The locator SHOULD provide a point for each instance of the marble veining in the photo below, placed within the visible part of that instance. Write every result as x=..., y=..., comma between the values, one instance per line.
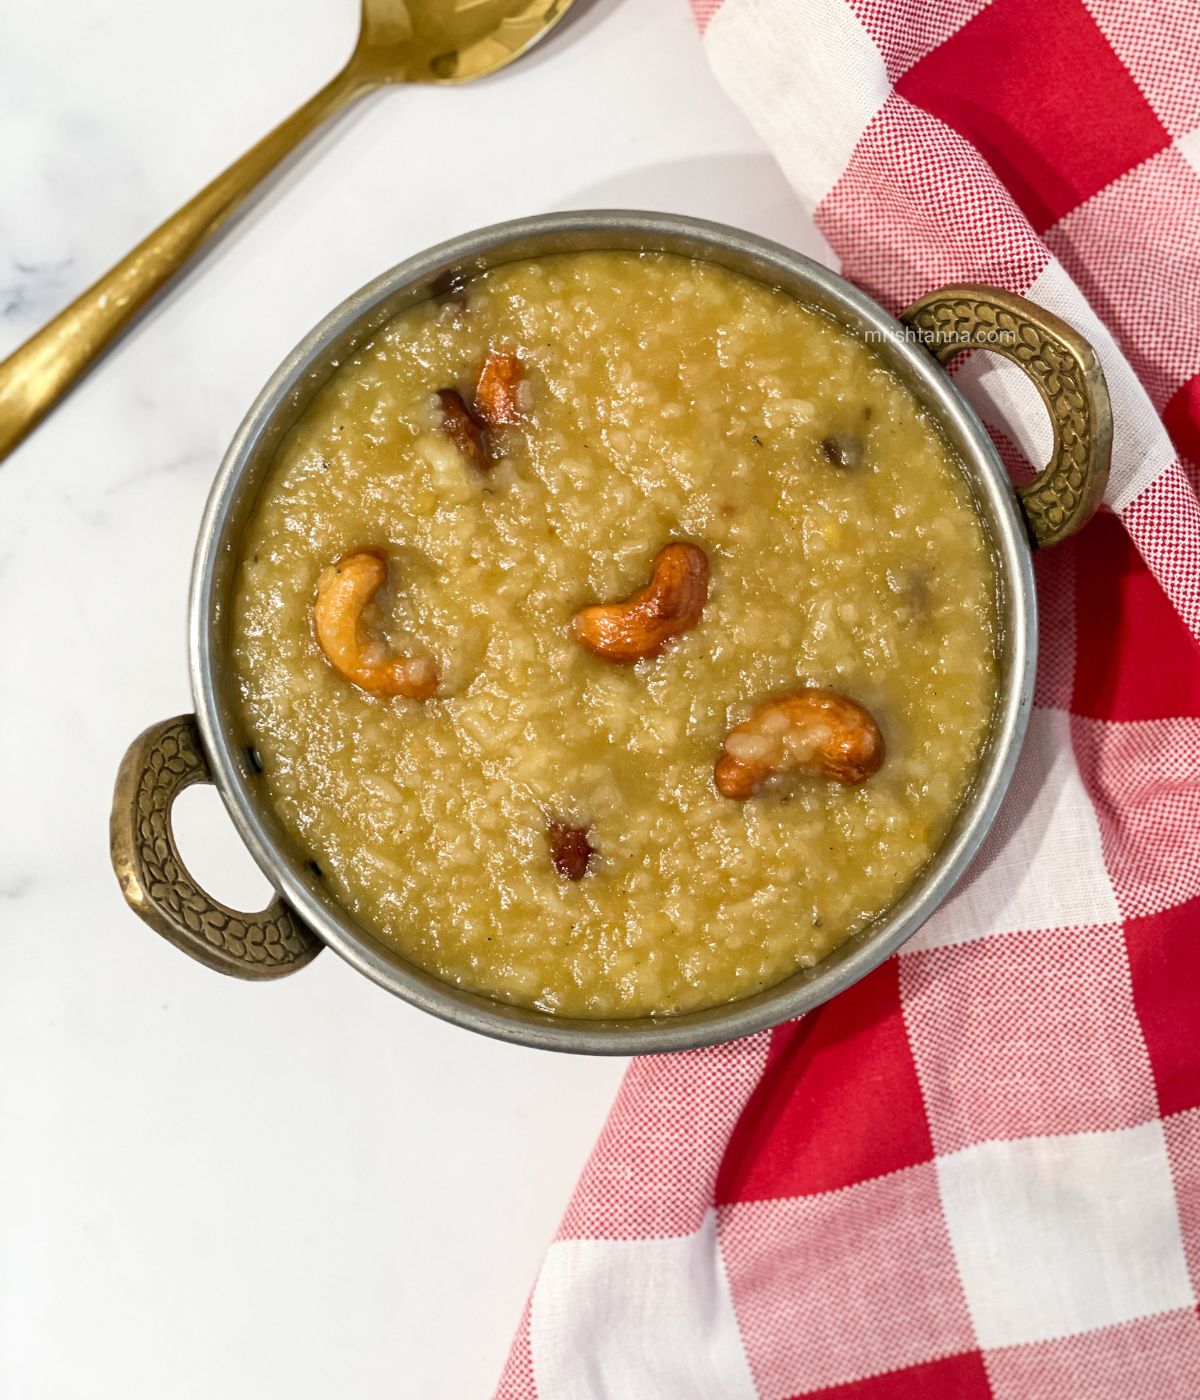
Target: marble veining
x=35, y=289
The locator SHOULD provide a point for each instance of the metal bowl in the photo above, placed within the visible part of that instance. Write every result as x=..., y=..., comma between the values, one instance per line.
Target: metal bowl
x=211, y=746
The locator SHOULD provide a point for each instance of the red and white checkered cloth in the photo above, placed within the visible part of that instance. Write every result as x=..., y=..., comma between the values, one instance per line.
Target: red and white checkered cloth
x=977, y=1173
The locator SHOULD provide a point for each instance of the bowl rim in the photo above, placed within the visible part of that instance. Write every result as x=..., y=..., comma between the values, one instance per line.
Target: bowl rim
x=792, y=996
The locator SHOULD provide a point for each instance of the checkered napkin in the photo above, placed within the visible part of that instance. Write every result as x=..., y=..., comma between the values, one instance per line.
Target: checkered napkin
x=977, y=1173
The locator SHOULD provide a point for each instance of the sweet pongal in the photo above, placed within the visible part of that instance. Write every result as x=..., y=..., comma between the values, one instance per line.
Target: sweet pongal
x=616, y=634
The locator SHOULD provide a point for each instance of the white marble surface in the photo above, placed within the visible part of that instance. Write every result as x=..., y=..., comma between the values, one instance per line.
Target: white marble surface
x=209, y=1188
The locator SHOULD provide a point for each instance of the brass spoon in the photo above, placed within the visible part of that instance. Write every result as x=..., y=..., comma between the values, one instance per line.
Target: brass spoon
x=421, y=41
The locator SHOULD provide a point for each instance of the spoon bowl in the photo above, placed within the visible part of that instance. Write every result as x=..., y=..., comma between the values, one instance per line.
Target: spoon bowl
x=449, y=41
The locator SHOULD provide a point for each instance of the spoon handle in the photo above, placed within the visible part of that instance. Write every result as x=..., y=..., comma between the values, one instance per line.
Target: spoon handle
x=40, y=372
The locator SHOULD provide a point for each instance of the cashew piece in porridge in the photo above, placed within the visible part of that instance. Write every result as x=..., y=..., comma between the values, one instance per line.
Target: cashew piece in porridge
x=344, y=593
x=639, y=627
x=464, y=429
x=498, y=396
x=811, y=729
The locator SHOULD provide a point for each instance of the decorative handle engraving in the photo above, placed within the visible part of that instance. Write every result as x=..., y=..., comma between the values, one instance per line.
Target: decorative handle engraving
x=1068, y=376
x=158, y=766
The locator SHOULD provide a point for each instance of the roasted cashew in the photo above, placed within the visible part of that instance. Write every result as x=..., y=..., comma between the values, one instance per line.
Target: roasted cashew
x=464, y=429
x=815, y=729
x=640, y=626
x=570, y=850
x=344, y=592
x=497, y=393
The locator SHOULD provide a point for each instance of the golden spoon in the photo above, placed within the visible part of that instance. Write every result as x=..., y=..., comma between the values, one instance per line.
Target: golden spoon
x=422, y=41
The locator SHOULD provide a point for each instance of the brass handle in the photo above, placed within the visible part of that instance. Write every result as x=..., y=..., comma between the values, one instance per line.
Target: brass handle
x=39, y=373
x=1067, y=373
x=158, y=766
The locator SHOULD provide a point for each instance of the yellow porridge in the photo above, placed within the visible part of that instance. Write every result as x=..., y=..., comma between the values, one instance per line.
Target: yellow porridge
x=616, y=635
